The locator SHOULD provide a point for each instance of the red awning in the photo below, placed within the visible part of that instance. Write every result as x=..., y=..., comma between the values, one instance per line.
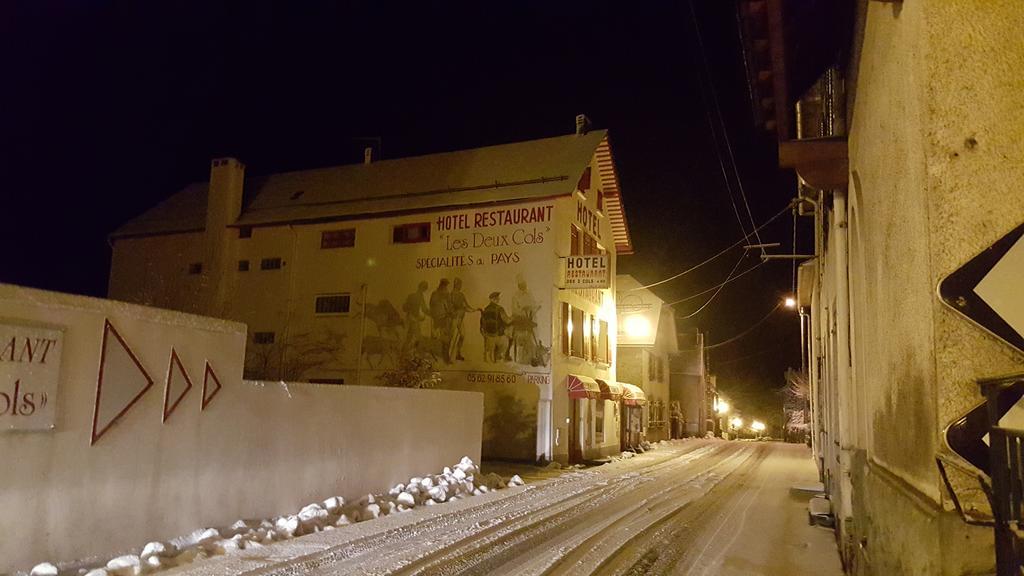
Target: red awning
x=610, y=390
x=632, y=395
x=582, y=386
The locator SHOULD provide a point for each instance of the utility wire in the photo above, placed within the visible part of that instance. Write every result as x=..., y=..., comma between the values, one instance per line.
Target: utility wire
x=723, y=251
x=773, y=348
x=733, y=279
x=720, y=287
x=747, y=331
x=725, y=133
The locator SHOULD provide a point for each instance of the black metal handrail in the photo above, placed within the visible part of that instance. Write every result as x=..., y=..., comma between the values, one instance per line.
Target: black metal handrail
x=1006, y=453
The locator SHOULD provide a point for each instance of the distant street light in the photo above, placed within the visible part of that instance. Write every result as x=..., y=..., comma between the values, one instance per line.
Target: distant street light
x=758, y=426
x=723, y=407
x=736, y=422
x=790, y=302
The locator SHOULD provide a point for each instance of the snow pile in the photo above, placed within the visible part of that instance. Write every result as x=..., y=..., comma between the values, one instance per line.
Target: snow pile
x=456, y=482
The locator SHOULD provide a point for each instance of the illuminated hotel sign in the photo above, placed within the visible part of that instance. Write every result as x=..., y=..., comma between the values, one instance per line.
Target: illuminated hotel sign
x=585, y=272
x=29, y=372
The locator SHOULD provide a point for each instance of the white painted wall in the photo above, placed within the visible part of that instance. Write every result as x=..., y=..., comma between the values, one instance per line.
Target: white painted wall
x=259, y=449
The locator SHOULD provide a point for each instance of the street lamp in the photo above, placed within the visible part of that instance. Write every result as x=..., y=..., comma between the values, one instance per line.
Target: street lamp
x=789, y=302
x=736, y=422
x=636, y=326
x=722, y=407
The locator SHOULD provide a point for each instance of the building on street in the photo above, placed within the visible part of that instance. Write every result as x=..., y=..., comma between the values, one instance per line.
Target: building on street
x=690, y=390
x=646, y=343
x=903, y=122
x=342, y=273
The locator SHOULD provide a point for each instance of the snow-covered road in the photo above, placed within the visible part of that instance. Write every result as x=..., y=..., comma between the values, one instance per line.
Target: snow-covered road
x=690, y=507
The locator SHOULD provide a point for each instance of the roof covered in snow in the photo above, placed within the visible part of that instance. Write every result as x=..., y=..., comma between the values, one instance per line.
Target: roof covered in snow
x=508, y=172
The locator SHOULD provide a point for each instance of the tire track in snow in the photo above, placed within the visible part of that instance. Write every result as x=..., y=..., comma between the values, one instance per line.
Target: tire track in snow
x=364, y=554
x=546, y=541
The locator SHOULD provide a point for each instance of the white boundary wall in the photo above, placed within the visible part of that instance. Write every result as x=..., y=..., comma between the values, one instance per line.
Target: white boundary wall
x=257, y=450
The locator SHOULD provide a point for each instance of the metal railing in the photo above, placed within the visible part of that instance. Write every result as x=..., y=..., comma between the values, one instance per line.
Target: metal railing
x=1006, y=495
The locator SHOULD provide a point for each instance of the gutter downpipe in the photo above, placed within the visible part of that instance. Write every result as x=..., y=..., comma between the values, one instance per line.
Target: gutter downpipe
x=842, y=357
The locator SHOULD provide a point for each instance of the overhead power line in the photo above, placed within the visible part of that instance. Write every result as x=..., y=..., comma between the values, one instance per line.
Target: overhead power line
x=706, y=76
x=747, y=331
x=733, y=279
x=723, y=251
x=720, y=287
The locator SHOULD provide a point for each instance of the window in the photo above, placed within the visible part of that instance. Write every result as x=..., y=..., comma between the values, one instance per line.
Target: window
x=592, y=328
x=262, y=337
x=661, y=369
x=574, y=241
x=600, y=200
x=245, y=232
x=195, y=268
x=411, y=233
x=650, y=366
x=602, y=343
x=338, y=238
x=590, y=245
x=599, y=420
x=566, y=328
x=576, y=341
x=243, y=265
x=270, y=264
x=333, y=304
x=337, y=381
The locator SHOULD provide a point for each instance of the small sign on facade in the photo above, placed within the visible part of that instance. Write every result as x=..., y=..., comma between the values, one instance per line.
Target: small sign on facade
x=591, y=271
x=29, y=374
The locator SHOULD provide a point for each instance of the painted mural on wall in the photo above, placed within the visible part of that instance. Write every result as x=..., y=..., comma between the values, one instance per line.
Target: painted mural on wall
x=474, y=296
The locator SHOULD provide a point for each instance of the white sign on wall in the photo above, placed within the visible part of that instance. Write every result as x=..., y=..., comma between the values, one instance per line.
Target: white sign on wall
x=591, y=271
x=29, y=373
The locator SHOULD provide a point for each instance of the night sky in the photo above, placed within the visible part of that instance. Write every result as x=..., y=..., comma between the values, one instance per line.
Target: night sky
x=109, y=107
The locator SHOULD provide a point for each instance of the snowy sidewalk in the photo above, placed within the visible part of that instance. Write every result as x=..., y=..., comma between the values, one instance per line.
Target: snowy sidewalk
x=764, y=530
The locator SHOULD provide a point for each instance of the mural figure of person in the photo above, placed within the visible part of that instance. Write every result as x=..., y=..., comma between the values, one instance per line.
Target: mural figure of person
x=416, y=311
x=459, y=308
x=441, y=315
x=493, y=320
x=524, y=309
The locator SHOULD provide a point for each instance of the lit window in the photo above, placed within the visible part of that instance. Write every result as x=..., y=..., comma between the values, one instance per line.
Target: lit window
x=338, y=238
x=576, y=342
x=333, y=304
x=262, y=337
x=270, y=264
x=603, y=353
x=411, y=233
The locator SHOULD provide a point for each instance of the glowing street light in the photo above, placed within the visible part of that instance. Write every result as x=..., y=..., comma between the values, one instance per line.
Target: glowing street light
x=736, y=422
x=758, y=426
x=636, y=326
x=723, y=407
x=790, y=302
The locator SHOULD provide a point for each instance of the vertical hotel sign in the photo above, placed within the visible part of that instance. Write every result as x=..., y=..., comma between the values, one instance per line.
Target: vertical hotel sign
x=29, y=373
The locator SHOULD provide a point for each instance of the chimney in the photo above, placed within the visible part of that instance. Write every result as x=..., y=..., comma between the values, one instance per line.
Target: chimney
x=223, y=207
x=582, y=124
x=368, y=155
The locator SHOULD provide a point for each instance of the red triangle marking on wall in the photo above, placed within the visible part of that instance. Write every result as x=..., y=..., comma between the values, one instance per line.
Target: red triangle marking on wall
x=121, y=382
x=176, y=378
x=209, y=393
